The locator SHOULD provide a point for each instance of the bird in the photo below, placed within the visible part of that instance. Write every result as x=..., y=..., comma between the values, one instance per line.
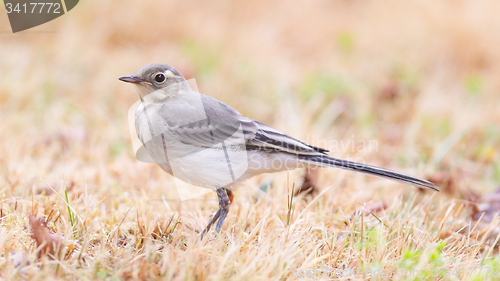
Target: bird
x=207, y=143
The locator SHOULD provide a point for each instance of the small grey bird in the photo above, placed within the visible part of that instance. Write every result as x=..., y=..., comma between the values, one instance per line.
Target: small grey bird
x=207, y=143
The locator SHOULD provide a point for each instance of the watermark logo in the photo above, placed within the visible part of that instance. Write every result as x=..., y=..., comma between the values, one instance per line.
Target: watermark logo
x=206, y=145
x=203, y=152
x=27, y=14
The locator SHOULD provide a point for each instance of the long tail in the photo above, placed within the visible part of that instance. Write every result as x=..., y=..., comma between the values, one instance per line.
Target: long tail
x=366, y=169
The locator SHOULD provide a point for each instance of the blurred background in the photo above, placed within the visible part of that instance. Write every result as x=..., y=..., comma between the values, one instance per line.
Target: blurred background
x=418, y=77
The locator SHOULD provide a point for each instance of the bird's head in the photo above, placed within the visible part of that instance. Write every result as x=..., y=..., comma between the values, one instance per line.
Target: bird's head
x=156, y=77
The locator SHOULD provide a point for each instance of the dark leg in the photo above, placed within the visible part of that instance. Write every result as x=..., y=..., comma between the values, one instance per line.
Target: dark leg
x=221, y=214
x=223, y=208
x=212, y=221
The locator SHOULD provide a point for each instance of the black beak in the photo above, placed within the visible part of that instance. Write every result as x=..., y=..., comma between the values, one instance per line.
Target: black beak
x=131, y=79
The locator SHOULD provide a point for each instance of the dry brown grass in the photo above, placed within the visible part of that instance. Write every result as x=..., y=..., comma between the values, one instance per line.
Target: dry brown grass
x=419, y=77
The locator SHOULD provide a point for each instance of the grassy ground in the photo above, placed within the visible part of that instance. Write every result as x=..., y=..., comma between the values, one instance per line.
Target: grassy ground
x=419, y=80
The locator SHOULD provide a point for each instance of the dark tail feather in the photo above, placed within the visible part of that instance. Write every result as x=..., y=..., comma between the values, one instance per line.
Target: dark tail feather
x=366, y=169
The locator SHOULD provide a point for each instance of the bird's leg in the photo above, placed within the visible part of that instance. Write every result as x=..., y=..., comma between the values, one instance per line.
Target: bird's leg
x=214, y=219
x=223, y=207
x=220, y=216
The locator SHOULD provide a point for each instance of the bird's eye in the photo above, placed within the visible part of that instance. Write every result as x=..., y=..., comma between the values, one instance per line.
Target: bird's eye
x=160, y=78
